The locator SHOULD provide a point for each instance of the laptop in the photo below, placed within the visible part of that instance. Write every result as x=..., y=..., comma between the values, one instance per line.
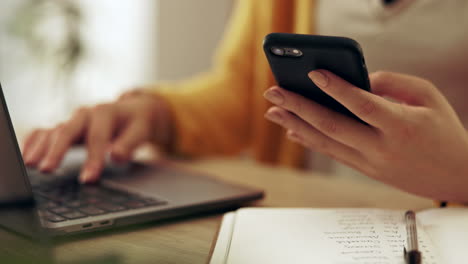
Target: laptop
x=126, y=195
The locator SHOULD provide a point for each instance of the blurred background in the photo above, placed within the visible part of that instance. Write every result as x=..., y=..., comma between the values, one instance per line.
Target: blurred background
x=57, y=55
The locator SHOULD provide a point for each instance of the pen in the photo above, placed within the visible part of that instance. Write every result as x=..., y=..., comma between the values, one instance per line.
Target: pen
x=411, y=253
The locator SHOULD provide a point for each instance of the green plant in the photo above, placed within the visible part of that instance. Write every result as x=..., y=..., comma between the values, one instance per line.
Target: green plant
x=50, y=30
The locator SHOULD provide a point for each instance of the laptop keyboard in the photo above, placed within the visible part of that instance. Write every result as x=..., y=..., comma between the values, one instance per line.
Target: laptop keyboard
x=69, y=200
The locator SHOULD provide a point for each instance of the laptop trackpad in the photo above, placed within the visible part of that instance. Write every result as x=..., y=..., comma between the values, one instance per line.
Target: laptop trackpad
x=171, y=184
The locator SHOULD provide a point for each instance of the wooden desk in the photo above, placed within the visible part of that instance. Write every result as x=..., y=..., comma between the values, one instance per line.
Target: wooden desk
x=189, y=240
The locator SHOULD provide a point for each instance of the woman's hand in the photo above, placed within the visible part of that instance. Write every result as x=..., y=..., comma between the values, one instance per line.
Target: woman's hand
x=414, y=142
x=117, y=128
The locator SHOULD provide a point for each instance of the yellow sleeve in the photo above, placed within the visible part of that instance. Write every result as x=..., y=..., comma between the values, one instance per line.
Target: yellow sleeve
x=210, y=112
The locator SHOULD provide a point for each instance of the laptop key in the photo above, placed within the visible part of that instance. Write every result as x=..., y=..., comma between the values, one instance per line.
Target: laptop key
x=92, y=190
x=65, y=199
x=118, y=198
x=60, y=210
x=111, y=207
x=76, y=203
x=51, y=217
x=74, y=215
x=48, y=204
x=92, y=210
x=92, y=200
x=55, y=218
x=52, y=204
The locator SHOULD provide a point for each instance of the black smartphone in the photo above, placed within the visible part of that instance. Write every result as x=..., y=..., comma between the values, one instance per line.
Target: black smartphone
x=293, y=56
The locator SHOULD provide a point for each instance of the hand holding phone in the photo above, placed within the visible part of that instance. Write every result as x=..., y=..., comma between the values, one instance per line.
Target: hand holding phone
x=293, y=56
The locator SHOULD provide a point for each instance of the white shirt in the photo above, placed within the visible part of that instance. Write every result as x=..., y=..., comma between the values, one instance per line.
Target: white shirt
x=426, y=38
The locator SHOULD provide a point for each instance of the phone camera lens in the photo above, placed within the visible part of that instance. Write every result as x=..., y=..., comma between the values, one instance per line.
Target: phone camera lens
x=293, y=52
x=277, y=51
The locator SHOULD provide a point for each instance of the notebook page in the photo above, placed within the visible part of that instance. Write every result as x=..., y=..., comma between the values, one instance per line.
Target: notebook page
x=224, y=239
x=335, y=236
x=448, y=229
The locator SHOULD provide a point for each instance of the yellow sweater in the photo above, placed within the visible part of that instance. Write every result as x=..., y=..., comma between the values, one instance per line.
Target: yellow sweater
x=221, y=112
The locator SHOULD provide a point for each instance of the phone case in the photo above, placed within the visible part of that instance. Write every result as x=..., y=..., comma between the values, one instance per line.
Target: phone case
x=342, y=56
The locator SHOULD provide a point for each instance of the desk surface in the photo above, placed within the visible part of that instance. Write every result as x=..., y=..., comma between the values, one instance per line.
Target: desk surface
x=189, y=240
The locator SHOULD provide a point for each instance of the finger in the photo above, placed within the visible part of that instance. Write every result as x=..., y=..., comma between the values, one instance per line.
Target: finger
x=30, y=141
x=409, y=89
x=310, y=137
x=373, y=109
x=131, y=93
x=62, y=139
x=102, y=122
x=335, y=125
x=135, y=134
x=38, y=148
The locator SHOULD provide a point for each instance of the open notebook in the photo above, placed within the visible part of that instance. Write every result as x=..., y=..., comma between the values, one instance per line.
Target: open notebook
x=338, y=236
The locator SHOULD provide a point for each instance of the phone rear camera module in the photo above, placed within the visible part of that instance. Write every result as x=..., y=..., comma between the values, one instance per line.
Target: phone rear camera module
x=277, y=51
x=293, y=52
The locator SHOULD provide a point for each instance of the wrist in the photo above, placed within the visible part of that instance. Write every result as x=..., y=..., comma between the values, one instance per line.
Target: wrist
x=162, y=118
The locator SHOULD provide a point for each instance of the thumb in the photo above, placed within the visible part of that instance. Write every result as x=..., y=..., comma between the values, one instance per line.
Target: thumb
x=406, y=88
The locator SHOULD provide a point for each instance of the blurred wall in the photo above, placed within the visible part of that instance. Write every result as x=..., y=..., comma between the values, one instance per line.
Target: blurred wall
x=189, y=32
x=118, y=53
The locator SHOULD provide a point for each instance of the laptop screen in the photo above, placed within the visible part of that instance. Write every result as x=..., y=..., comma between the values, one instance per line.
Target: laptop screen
x=14, y=184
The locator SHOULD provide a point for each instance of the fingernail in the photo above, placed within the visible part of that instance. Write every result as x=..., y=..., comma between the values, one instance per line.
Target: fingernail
x=293, y=136
x=320, y=79
x=274, y=116
x=86, y=175
x=43, y=165
x=274, y=96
